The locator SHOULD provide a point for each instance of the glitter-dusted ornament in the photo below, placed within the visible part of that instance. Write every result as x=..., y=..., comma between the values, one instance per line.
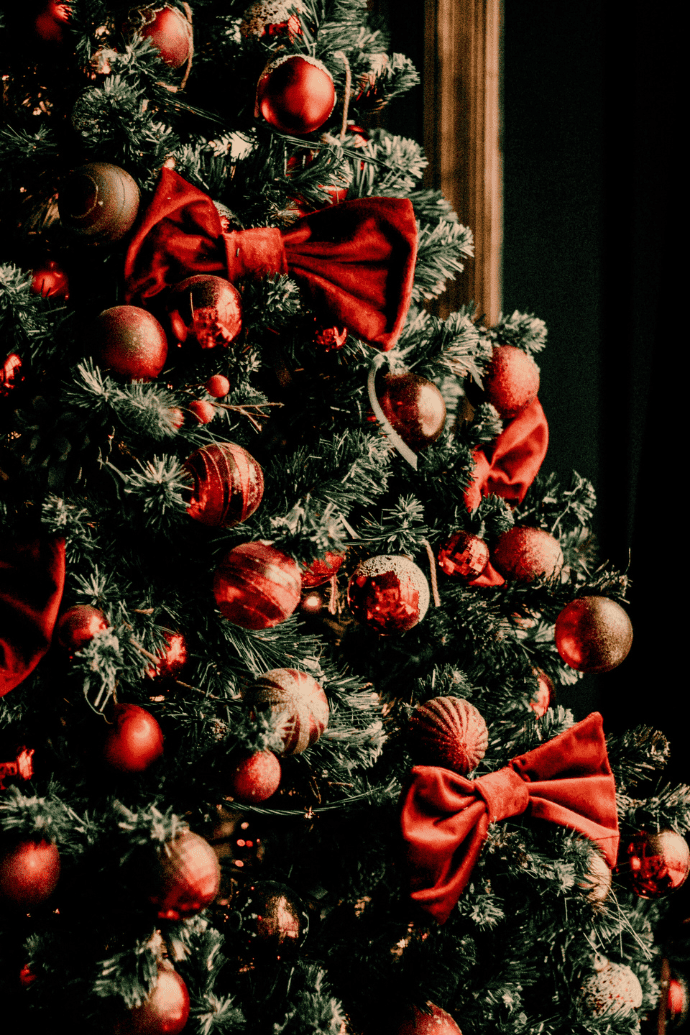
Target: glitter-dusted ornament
x=99, y=201
x=511, y=381
x=218, y=386
x=593, y=634
x=228, y=484
x=129, y=342
x=50, y=280
x=273, y=18
x=414, y=406
x=257, y=586
x=205, y=309
x=612, y=989
x=525, y=554
x=165, y=1011
x=322, y=569
x=185, y=878
x=448, y=732
x=29, y=872
x=436, y=1022
x=274, y=919
x=295, y=94
x=133, y=741
x=297, y=701
x=544, y=695
x=596, y=882
x=388, y=593
x=677, y=1001
x=655, y=863
x=202, y=412
x=464, y=555
x=10, y=374
x=169, y=31
x=173, y=656
x=253, y=776
x=78, y=625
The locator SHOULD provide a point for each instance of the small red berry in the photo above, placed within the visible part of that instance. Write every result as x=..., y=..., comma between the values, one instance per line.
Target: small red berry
x=204, y=412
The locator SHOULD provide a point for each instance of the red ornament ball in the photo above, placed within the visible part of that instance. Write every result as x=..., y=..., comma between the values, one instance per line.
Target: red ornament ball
x=677, y=1001
x=297, y=701
x=295, y=94
x=10, y=374
x=78, y=625
x=50, y=281
x=99, y=201
x=273, y=18
x=228, y=484
x=525, y=554
x=464, y=555
x=218, y=386
x=414, y=407
x=202, y=412
x=173, y=658
x=544, y=694
x=253, y=776
x=170, y=33
x=257, y=586
x=129, y=342
x=274, y=919
x=511, y=381
x=165, y=1011
x=437, y=1022
x=656, y=863
x=389, y=593
x=134, y=740
x=29, y=872
x=26, y=976
x=51, y=20
x=331, y=338
x=448, y=732
x=593, y=634
x=207, y=310
x=321, y=570
x=186, y=877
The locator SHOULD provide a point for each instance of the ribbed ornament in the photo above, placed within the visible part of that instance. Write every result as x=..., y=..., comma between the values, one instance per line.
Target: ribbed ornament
x=257, y=586
x=296, y=697
x=228, y=484
x=448, y=732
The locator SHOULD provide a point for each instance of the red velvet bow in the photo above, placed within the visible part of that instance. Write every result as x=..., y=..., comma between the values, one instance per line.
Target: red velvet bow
x=445, y=817
x=32, y=577
x=356, y=260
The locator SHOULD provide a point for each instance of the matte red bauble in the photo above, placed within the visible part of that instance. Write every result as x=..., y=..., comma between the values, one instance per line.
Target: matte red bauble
x=218, y=386
x=448, y=732
x=29, y=872
x=51, y=20
x=253, y=776
x=414, y=407
x=257, y=586
x=10, y=374
x=129, y=342
x=656, y=863
x=321, y=570
x=170, y=33
x=525, y=554
x=295, y=94
x=274, y=919
x=78, y=625
x=99, y=201
x=390, y=594
x=297, y=701
x=165, y=1011
x=186, y=877
x=437, y=1022
x=544, y=694
x=50, y=281
x=228, y=484
x=464, y=555
x=273, y=18
x=511, y=381
x=202, y=412
x=593, y=634
x=134, y=740
x=207, y=310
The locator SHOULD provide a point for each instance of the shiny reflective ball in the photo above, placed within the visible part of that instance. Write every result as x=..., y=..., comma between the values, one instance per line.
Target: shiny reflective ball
x=257, y=586
x=295, y=94
x=186, y=877
x=129, y=342
x=170, y=33
x=414, y=407
x=544, y=694
x=227, y=484
x=29, y=872
x=165, y=1011
x=78, y=625
x=207, y=310
x=436, y=1022
x=296, y=701
x=463, y=556
x=656, y=863
x=134, y=740
x=593, y=634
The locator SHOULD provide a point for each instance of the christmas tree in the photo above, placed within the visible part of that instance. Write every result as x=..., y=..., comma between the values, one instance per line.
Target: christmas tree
x=286, y=593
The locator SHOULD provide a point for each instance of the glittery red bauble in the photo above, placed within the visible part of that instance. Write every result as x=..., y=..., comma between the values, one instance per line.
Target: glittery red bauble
x=274, y=919
x=50, y=281
x=257, y=586
x=78, y=625
x=525, y=554
x=51, y=20
x=134, y=740
x=321, y=570
x=295, y=94
x=165, y=1011
x=297, y=701
x=414, y=407
x=511, y=381
x=99, y=201
x=593, y=634
x=29, y=872
x=272, y=18
x=129, y=342
x=677, y=1001
x=389, y=593
x=438, y=1022
x=173, y=658
x=448, y=732
x=207, y=310
x=218, y=386
x=464, y=555
x=10, y=374
x=253, y=776
x=202, y=412
x=170, y=33
x=544, y=694
x=228, y=484
x=331, y=338
x=186, y=877
x=655, y=863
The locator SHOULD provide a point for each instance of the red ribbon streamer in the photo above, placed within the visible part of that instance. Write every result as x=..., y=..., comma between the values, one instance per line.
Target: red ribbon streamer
x=355, y=260
x=445, y=817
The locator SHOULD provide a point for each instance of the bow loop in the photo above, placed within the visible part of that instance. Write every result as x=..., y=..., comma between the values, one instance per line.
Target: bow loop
x=505, y=794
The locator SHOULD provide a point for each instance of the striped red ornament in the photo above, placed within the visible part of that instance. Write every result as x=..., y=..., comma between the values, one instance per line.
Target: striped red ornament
x=297, y=701
x=448, y=732
x=228, y=484
x=257, y=586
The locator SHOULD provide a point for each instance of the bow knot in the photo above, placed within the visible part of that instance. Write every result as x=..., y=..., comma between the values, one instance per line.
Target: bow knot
x=504, y=792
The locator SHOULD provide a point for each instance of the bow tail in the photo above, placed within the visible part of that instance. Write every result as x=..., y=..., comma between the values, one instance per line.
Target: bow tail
x=451, y=877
